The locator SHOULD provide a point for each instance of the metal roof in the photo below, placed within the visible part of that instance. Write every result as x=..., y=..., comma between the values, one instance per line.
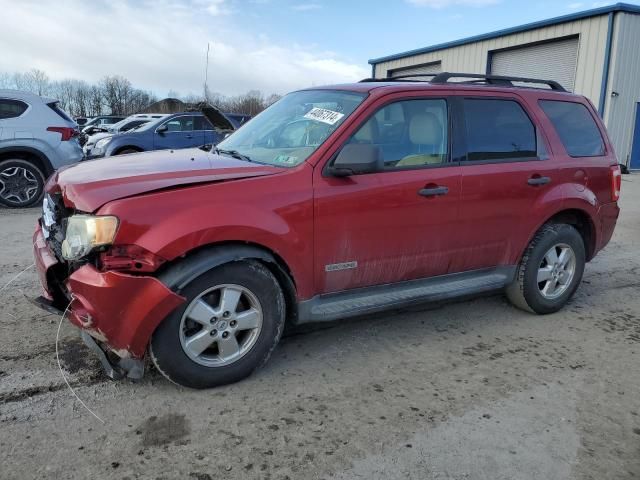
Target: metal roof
x=618, y=7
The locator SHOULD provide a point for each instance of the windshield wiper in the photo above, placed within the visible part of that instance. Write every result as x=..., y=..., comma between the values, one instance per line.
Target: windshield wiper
x=233, y=153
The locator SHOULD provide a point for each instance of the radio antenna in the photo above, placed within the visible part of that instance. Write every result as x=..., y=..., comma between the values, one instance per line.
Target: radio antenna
x=206, y=74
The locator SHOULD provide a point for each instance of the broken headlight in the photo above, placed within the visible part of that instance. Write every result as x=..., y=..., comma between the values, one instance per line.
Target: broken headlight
x=86, y=232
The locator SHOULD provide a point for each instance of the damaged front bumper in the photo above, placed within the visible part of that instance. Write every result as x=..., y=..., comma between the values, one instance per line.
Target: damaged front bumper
x=117, y=312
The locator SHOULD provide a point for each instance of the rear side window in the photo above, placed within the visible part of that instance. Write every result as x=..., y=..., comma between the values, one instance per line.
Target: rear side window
x=498, y=130
x=576, y=128
x=12, y=108
x=61, y=113
x=201, y=123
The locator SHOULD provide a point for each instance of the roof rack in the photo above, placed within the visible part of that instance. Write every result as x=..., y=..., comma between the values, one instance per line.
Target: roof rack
x=475, y=79
x=402, y=78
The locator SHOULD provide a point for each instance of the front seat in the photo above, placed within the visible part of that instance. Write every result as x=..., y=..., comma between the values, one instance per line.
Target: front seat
x=425, y=137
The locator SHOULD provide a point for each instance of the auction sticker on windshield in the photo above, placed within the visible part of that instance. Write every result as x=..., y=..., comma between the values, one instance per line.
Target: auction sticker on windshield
x=323, y=115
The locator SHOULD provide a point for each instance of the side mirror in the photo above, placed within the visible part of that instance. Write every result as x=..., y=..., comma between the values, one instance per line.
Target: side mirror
x=355, y=159
x=162, y=129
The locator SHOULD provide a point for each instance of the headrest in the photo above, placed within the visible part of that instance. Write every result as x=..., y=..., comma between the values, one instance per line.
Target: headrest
x=425, y=129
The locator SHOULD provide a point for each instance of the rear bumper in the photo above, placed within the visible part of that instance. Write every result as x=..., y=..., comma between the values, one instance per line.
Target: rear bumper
x=119, y=310
x=608, y=215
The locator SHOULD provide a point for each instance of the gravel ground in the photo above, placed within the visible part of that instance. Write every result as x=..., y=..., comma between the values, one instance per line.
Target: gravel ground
x=469, y=390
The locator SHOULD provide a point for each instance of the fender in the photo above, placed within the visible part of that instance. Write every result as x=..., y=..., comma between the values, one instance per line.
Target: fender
x=563, y=197
x=266, y=214
x=32, y=151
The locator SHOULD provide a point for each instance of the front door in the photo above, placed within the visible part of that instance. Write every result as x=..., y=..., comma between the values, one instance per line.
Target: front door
x=396, y=224
x=179, y=134
x=635, y=149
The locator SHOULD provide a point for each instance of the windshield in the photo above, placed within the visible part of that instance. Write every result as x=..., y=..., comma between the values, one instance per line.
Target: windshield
x=290, y=130
x=151, y=124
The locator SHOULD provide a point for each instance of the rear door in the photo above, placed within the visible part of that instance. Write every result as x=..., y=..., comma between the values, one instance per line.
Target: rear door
x=505, y=172
x=399, y=223
x=179, y=133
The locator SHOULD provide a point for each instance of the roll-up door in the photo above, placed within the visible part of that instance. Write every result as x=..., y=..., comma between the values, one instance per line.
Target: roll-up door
x=418, y=69
x=549, y=61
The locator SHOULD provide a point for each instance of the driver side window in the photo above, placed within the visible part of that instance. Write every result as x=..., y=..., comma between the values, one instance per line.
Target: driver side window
x=409, y=133
x=180, y=124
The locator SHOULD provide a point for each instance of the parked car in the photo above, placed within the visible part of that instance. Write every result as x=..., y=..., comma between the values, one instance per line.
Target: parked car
x=334, y=202
x=179, y=130
x=36, y=137
x=129, y=123
x=97, y=123
x=81, y=121
x=238, y=119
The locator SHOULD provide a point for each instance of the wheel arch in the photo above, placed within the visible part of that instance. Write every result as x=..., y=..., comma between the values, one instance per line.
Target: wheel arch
x=178, y=273
x=581, y=220
x=33, y=155
x=119, y=150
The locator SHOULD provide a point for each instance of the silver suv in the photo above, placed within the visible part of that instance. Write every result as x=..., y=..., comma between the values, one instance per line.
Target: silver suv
x=36, y=138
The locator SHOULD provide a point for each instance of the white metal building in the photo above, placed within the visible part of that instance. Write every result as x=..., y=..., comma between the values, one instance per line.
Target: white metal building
x=594, y=53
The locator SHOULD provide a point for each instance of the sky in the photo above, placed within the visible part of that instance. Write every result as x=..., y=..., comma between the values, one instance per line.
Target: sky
x=271, y=45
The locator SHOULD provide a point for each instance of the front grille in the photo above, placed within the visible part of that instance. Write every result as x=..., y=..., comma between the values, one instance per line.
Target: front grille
x=53, y=219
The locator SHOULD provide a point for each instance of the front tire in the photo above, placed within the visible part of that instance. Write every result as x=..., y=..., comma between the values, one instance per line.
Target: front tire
x=21, y=183
x=550, y=270
x=231, y=322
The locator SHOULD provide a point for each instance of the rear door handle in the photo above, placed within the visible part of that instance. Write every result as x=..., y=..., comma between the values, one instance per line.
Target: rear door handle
x=189, y=136
x=433, y=191
x=535, y=181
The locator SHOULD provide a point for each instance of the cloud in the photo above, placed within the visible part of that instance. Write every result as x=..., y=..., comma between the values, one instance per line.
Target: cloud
x=160, y=45
x=438, y=4
x=305, y=7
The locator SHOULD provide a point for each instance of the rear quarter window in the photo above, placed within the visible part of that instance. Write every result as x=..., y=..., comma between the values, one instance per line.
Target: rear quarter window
x=576, y=128
x=61, y=113
x=11, y=108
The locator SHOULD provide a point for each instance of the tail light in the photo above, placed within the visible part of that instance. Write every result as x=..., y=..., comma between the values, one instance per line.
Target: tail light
x=616, y=182
x=67, y=132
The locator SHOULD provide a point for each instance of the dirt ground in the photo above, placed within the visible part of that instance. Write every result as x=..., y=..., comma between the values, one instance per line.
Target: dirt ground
x=470, y=390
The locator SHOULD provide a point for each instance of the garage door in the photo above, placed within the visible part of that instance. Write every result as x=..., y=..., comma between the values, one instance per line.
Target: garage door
x=548, y=61
x=419, y=69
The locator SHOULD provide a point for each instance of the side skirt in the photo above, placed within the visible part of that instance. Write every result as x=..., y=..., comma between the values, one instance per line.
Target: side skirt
x=351, y=303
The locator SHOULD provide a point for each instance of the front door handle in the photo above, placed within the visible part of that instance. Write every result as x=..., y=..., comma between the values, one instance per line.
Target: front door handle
x=536, y=181
x=189, y=136
x=433, y=191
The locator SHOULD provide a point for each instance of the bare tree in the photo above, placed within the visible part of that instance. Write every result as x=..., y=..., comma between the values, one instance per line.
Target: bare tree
x=115, y=95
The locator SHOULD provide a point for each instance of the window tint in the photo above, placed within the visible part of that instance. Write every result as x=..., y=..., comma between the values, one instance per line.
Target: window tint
x=201, y=123
x=576, y=128
x=180, y=124
x=11, y=108
x=498, y=130
x=410, y=133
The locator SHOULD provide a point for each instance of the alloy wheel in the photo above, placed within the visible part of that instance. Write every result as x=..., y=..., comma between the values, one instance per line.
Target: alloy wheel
x=556, y=271
x=221, y=325
x=18, y=185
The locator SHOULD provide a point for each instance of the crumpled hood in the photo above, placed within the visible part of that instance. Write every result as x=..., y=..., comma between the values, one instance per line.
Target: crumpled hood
x=86, y=186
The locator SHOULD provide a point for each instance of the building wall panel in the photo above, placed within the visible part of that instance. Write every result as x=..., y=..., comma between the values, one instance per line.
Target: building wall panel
x=472, y=58
x=624, y=79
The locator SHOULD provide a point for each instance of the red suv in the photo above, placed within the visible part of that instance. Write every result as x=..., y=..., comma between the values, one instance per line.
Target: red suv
x=334, y=202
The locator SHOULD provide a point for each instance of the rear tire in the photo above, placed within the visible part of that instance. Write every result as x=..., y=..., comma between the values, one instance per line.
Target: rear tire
x=21, y=183
x=550, y=270
x=231, y=322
